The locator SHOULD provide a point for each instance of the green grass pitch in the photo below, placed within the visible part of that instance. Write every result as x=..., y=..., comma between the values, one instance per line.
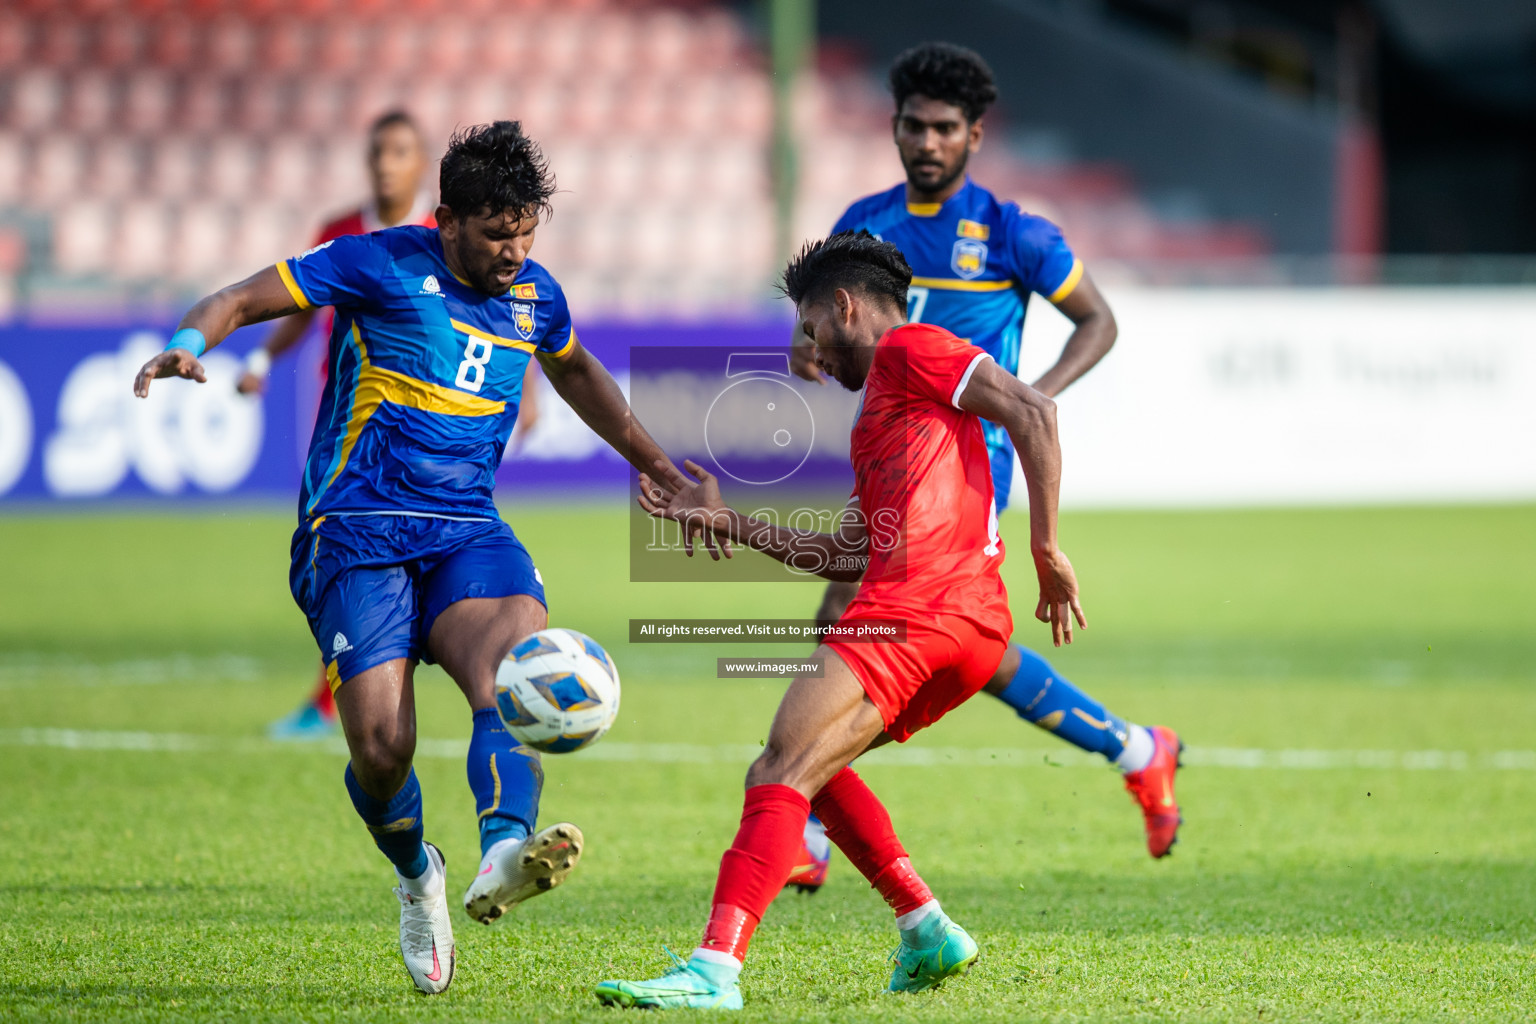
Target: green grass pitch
x=1356, y=687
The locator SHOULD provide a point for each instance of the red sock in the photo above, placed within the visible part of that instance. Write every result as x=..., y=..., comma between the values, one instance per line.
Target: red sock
x=756, y=866
x=323, y=698
x=857, y=822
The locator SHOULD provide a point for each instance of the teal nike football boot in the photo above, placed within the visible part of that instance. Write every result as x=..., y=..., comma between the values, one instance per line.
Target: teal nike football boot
x=918, y=970
x=687, y=986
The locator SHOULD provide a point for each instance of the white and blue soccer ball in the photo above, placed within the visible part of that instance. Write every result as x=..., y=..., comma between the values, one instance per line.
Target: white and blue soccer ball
x=558, y=691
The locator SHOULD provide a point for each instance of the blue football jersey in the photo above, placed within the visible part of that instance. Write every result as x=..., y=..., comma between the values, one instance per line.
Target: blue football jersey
x=974, y=262
x=425, y=374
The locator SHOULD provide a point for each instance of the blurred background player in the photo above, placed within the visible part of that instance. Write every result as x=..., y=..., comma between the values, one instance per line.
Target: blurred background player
x=397, y=169
x=400, y=555
x=976, y=261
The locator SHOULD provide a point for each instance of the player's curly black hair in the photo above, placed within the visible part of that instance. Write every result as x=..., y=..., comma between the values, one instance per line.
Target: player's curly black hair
x=854, y=260
x=495, y=167
x=945, y=72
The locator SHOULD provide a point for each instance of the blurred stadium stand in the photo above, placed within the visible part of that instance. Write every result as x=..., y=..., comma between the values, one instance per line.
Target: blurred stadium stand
x=153, y=149
x=1341, y=129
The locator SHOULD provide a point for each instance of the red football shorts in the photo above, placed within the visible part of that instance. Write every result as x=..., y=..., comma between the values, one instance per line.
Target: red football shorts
x=944, y=662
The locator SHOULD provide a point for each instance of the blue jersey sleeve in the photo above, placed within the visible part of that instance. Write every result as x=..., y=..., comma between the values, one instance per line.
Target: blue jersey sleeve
x=559, y=336
x=1040, y=258
x=343, y=272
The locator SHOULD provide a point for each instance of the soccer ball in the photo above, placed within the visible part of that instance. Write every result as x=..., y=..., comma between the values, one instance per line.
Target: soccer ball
x=558, y=691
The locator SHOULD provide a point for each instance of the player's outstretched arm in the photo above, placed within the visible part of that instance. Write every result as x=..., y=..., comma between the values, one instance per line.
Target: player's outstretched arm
x=1030, y=419
x=262, y=296
x=1093, y=335
x=697, y=505
x=587, y=387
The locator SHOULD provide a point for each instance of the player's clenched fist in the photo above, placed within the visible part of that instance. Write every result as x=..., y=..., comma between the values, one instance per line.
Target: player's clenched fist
x=174, y=362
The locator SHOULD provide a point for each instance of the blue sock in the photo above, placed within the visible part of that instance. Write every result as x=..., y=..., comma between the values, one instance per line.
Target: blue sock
x=506, y=778
x=395, y=823
x=1040, y=695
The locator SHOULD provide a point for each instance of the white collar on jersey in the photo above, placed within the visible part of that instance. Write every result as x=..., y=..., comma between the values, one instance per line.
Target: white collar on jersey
x=419, y=210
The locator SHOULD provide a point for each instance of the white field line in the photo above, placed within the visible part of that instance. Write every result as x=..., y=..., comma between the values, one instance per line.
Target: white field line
x=21, y=671
x=742, y=754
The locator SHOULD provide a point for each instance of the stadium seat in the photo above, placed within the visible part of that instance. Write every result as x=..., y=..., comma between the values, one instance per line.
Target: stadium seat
x=264, y=233
x=119, y=43
x=339, y=50
x=392, y=47
x=450, y=44
x=260, y=105
x=61, y=43
x=114, y=168
x=13, y=166
x=318, y=107
x=173, y=41
x=229, y=169
x=36, y=96
x=479, y=100
x=140, y=248
x=341, y=179
x=200, y=244
x=283, y=47
x=205, y=105
x=663, y=42
x=746, y=105
x=147, y=101
x=173, y=168
x=15, y=39
x=58, y=170
x=229, y=45
x=82, y=236
x=92, y=102
x=287, y=168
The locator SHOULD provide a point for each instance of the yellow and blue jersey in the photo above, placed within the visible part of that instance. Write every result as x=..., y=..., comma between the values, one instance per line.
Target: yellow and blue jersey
x=975, y=261
x=425, y=374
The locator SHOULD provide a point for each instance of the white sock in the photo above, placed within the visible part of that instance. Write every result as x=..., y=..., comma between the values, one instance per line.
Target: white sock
x=499, y=846
x=1139, y=748
x=718, y=958
x=912, y=918
x=429, y=882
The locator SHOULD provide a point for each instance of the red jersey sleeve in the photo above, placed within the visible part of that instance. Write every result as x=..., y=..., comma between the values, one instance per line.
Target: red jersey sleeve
x=938, y=365
x=341, y=227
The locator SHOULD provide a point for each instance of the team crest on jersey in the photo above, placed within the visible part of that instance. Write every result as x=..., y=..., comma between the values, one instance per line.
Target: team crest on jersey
x=968, y=258
x=311, y=252
x=973, y=229
x=525, y=291
x=522, y=319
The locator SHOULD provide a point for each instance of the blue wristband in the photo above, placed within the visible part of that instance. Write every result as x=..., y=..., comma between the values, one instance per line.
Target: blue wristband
x=189, y=338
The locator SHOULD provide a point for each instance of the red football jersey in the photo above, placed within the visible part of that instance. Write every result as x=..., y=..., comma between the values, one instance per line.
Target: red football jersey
x=924, y=483
x=361, y=221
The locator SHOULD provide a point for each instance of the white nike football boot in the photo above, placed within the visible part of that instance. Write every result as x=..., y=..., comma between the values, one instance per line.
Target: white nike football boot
x=426, y=933
x=515, y=869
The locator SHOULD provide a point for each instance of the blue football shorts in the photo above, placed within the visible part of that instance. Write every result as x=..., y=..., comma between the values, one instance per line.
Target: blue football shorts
x=371, y=586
